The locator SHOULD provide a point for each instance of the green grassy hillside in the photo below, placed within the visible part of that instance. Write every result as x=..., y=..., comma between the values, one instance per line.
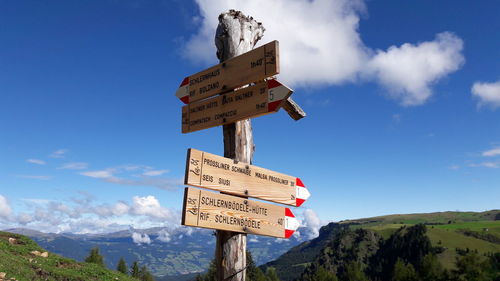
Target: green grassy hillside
x=17, y=261
x=453, y=232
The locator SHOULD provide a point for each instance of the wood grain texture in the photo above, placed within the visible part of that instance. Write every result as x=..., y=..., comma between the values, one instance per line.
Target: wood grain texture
x=235, y=35
x=293, y=109
x=225, y=212
x=246, y=68
x=214, y=172
x=249, y=102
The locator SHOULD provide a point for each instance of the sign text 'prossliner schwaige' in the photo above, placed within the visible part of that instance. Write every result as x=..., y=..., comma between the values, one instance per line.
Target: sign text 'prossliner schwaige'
x=247, y=68
x=260, y=99
x=225, y=212
x=223, y=174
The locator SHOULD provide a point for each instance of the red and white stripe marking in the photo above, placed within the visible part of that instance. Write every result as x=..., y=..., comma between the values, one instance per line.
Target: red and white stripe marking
x=291, y=223
x=183, y=92
x=276, y=92
x=301, y=192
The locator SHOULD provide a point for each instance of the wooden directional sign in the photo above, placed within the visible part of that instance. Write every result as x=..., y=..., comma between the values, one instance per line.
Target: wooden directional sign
x=225, y=212
x=260, y=99
x=247, y=68
x=223, y=174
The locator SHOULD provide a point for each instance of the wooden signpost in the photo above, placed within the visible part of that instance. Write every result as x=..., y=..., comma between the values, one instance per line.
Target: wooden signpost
x=260, y=99
x=247, y=68
x=218, y=211
x=223, y=174
x=211, y=101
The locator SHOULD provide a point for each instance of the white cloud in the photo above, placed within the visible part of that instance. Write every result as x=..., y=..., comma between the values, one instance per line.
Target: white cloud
x=36, y=161
x=74, y=166
x=150, y=206
x=111, y=175
x=154, y=173
x=164, y=236
x=120, y=208
x=102, y=174
x=141, y=238
x=5, y=209
x=492, y=152
x=326, y=49
x=487, y=93
x=84, y=216
x=24, y=218
x=312, y=222
x=60, y=153
x=408, y=71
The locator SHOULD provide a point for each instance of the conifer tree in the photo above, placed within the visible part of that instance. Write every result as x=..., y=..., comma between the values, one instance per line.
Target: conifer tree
x=134, y=270
x=95, y=257
x=122, y=266
x=145, y=275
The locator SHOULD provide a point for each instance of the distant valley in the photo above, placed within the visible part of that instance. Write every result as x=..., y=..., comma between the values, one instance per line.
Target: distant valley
x=348, y=246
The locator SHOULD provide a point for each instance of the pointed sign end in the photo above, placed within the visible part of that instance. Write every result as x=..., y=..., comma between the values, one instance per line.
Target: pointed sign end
x=289, y=233
x=185, y=99
x=299, y=182
x=299, y=202
x=185, y=81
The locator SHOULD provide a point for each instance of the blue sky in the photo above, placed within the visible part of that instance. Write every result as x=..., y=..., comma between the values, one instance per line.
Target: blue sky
x=403, y=103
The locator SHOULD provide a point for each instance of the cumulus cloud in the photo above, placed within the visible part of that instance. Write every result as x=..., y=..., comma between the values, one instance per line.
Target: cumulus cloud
x=164, y=236
x=150, y=206
x=85, y=216
x=139, y=238
x=36, y=161
x=312, y=222
x=408, y=71
x=492, y=152
x=60, y=153
x=118, y=209
x=326, y=49
x=487, y=93
x=74, y=166
x=5, y=209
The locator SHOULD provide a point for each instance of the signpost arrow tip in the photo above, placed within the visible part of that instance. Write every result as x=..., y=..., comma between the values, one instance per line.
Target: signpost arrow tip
x=301, y=192
x=291, y=223
x=277, y=93
x=182, y=92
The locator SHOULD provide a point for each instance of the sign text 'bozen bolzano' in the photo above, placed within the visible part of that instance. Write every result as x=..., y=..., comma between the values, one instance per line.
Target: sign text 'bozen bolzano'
x=247, y=68
x=219, y=211
x=223, y=174
x=260, y=99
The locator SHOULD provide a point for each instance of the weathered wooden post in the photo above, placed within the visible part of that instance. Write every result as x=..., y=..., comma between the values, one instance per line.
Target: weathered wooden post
x=236, y=34
x=259, y=94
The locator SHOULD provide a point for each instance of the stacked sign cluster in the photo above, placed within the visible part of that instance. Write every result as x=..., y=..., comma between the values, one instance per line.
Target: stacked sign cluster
x=211, y=101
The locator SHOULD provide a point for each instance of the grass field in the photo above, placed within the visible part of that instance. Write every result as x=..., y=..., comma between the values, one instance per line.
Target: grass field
x=17, y=261
x=444, y=229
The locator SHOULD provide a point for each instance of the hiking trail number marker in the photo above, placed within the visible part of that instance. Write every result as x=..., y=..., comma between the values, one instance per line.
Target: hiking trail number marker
x=260, y=99
x=225, y=212
x=223, y=174
x=247, y=68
